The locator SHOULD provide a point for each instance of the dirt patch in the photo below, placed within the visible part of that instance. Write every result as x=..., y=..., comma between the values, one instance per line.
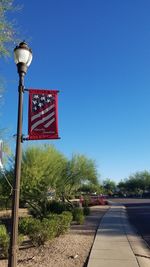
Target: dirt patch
x=69, y=250
x=7, y=213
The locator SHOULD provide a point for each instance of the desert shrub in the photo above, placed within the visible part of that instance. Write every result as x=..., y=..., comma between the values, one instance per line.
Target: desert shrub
x=68, y=216
x=35, y=229
x=51, y=206
x=20, y=239
x=86, y=201
x=66, y=221
x=86, y=211
x=39, y=211
x=48, y=228
x=63, y=222
x=41, y=231
x=76, y=204
x=37, y=233
x=25, y=224
x=5, y=202
x=58, y=207
x=4, y=241
x=78, y=215
x=55, y=207
x=50, y=225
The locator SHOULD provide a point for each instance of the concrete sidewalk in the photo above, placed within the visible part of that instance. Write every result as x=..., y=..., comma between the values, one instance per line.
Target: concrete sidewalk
x=117, y=244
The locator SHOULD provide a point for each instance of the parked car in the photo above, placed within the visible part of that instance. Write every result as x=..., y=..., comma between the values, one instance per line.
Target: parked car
x=97, y=200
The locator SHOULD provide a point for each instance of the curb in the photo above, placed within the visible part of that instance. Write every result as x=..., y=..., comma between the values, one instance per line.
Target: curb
x=138, y=245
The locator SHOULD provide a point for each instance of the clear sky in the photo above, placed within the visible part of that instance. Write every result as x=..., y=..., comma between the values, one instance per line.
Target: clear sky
x=97, y=53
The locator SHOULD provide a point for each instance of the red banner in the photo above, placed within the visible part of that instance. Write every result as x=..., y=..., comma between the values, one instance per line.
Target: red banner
x=43, y=114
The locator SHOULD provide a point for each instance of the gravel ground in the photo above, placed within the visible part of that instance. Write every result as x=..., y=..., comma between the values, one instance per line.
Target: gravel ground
x=69, y=250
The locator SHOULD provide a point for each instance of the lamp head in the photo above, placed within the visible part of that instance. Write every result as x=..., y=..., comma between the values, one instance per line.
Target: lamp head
x=22, y=57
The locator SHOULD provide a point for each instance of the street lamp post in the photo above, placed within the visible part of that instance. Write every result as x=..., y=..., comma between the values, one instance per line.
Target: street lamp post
x=23, y=58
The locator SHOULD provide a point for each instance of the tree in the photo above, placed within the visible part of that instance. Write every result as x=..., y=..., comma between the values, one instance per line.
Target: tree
x=137, y=184
x=79, y=170
x=5, y=188
x=90, y=188
x=42, y=167
x=109, y=186
x=45, y=169
x=8, y=34
x=6, y=176
x=122, y=188
x=7, y=29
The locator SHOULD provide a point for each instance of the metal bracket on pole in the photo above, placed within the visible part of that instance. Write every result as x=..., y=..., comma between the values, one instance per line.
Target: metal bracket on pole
x=26, y=89
x=24, y=138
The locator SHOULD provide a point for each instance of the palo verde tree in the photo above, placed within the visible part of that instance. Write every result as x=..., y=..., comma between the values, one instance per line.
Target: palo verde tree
x=45, y=169
x=79, y=170
x=42, y=167
x=8, y=37
x=8, y=32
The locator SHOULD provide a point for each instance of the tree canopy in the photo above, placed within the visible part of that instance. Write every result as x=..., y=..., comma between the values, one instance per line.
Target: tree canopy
x=109, y=186
x=7, y=28
x=41, y=168
x=79, y=170
x=8, y=35
x=136, y=184
x=45, y=169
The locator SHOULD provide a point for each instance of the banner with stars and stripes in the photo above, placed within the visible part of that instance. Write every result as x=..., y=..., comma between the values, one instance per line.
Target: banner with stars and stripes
x=43, y=114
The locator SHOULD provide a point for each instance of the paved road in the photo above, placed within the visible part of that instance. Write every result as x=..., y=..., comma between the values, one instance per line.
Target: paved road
x=139, y=215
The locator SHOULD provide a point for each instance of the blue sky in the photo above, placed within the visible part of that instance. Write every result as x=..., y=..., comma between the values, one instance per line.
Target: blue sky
x=97, y=53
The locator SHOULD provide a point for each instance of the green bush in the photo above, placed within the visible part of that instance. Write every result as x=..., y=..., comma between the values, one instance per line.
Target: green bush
x=50, y=206
x=39, y=211
x=37, y=234
x=58, y=207
x=78, y=215
x=86, y=211
x=4, y=241
x=20, y=239
x=50, y=226
x=5, y=203
x=25, y=224
x=68, y=216
x=63, y=222
x=86, y=201
x=34, y=229
x=41, y=231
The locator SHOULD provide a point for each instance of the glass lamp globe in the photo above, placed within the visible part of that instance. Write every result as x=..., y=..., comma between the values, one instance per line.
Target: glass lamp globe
x=23, y=54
